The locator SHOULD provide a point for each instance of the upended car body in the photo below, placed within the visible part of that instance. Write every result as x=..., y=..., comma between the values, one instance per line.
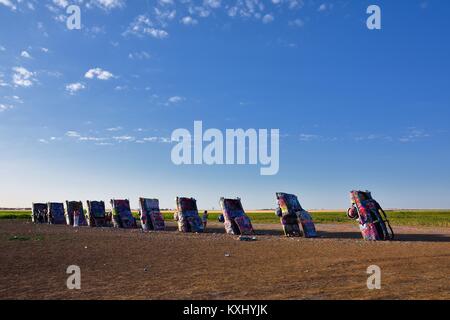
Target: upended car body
x=151, y=217
x=55, y=213
x=372, y=219
x=121, y=214
x=96, y=214
x=293, y=216
x=39, y=213
x=187, y=215
x=75, y=214
x=234, y=218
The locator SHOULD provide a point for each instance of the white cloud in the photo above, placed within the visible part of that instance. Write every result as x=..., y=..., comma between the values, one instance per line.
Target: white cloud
x=60, y=18
x=308, y=137
x=14, y=99
x=297, y=23
x=164, y=16
x=2, y=82
x=212, y=3
x=139, y=55
x=189, y=21
x=114, y=129
x=295, y=4
x=94, y=30
x=51, y=139
x=175, y=99
x=2, y=48
x=61, y=3
x=104, y=144
x=268, y=18
x=106, y=4
x=155, y=22
x=45, y=50
x=373, y=137
x=120, y=88
x=165, y=140
x=156, y=33
x=52, y=73
x=99, y=74
x=25, y=54
x=323, y=7
x=413, y=135
x=150, y=139
x=22, y=77
x=142, y=25
x=201, y=11
x=92, y=139
x=154, y=139
x=9, y=4
x=165, y=2
x=4, y=107
x=73, y=88
x=73, y=134
x=233, y=11
x=79, y=137
x=40, y=26
x=124, y=138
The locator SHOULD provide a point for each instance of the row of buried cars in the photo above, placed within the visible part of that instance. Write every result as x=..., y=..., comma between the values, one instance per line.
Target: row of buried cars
x=294, y=219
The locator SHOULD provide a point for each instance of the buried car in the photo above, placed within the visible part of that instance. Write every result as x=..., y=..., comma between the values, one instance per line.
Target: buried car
x=96, y=214
x=234, y=218
x=121, y=214
x=75, y=214
x=55, y=213
x=187, y=215
x=372, y=219
x=292, y=216
x=151, y=217
x=39, y=213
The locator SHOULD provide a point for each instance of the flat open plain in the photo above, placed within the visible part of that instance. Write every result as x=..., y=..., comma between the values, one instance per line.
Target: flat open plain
x=131, y=264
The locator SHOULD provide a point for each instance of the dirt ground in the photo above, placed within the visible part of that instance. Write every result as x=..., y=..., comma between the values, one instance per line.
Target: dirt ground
x=131, y=264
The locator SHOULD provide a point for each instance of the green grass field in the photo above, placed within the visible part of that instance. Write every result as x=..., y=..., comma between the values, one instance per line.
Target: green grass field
x=431, y=218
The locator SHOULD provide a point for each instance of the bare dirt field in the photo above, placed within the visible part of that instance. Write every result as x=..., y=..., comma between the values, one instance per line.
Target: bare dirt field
x=130, y=264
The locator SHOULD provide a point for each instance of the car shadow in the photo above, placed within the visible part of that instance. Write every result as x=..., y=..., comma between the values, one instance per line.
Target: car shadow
x=397, y=237
x=332, y=234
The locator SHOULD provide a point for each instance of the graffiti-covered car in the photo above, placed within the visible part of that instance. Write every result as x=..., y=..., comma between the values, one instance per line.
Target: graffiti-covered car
x=96, y=214
x=151, y=217
x=39, y=213
x=372, y=219
x=122, y=216
x=234, y=218
x=75, y=214
x=187, y=215
x=293, y=216
x=55, y=213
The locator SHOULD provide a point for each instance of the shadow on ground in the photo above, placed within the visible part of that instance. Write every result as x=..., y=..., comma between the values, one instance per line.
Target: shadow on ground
x=273, y=231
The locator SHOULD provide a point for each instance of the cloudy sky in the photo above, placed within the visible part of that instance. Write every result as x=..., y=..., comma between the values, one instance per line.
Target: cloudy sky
x=88, y=114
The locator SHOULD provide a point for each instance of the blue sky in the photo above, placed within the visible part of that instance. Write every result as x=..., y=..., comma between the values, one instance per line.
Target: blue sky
x=88, y=114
